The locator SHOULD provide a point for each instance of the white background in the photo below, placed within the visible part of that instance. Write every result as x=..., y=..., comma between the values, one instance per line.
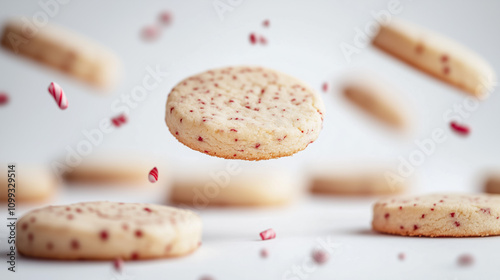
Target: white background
x=304, y=39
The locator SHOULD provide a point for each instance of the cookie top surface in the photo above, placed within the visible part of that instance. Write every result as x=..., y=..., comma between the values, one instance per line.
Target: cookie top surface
x=107, y=230
x=250, y=113
x=452, y=214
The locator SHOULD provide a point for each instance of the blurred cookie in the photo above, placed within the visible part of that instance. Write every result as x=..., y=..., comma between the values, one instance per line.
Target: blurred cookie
x=357, y=184
x=456, y=215
x=376, y=100
x=30, y=183
x=249, y=113
x=492, y=184
x=63, y=50
x=436, y=55
x=108, y=230
x=255, y=190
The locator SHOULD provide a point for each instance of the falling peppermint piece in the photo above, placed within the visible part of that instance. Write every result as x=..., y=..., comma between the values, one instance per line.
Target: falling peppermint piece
x=460, y=128
x=119, y=120
x=153, y=175
x=268, y=234
x=57, y=92
x=320, y=256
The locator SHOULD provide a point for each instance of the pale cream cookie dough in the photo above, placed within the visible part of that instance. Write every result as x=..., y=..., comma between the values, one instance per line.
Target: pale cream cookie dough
x=436, y=55
x=249, y=113
x=355, y=184
x=31, y=183
x=377, y=100
x=63, y=50
x=434, y=215
x=257, y=189
x=108, y=230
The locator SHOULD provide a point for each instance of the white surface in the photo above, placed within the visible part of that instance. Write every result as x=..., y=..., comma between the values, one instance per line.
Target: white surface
x=304, y=39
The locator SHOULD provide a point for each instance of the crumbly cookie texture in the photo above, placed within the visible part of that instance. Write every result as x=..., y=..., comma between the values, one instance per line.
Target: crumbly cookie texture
x=437, y=55
x=32, y=183
x=249, y=113
x=65, y=51
x=434, y=215
x=108, y=230
x=266, y=189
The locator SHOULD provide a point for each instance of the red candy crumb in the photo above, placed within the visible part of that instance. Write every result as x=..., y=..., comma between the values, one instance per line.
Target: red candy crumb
x=119, y=120
x=263, y=253
x=459, y=128
x=118, y=265
x=452, y=214
x=262, y=40
x=4, y=98
x=325, y=87
x=165, y=17
x=253, y=38
x=104, y=235
x=265, y=23
x=268, y=234
x=320, y=256
x=465, y=260
x=150, y=33
x=401, y=256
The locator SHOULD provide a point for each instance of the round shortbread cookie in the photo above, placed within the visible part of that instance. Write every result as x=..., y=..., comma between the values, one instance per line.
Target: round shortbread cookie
x=354, y=184
x=434, y=215
x=30, y=183
x=249, y=113
x=108, y=230
x=112, y=169
x=255, y=190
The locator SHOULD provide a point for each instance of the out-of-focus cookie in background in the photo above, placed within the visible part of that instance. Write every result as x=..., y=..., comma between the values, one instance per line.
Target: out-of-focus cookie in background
x=32, y=184
x=378, y=99
x=356, y=180
x=492, y=182
x=63, y=50
x=239, y=185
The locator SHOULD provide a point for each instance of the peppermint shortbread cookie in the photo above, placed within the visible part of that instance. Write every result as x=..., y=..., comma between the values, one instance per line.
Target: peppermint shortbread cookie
x=258, y=189
x=436, y=55
x=492, y=184
x=377, y=100
x=63, y=50
x=111, y=169
x=456, y=215
x=361, y=183
x=30, y=183
x=249, y=113
x=108, y=230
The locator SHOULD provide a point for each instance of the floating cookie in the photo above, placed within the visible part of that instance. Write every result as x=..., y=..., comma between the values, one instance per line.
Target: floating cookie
x=63, y=50
x=455, y=215
x=492, y=184
x=256, y=190
x=436, y=55
x=362, y=183
x=111, y=170
x=377, y=101
x=107, y=231
x=249, y=113
x=30, y=183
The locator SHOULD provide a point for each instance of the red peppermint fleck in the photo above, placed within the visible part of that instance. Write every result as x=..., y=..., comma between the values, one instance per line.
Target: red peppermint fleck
x=268, y=234
x=148, y=209
x=165, y=17
x=134, y=256
x=419, y=49
x=265, y=23
x=262, y=40
x=320, y=256
x=459, y=128
x=50, y=246
x=423, y=216
x=253, y=38
x=401, y=256
x=465, y=260
x=200, y=139
x=24, y=226
x=150, y=33
x=30, y=237
x=75, y=245
x=386, y=215
x=446, y=70
x=119, y=120
x=118, y=265
x=415, y=227
x=325, y=87
x=104, y=235
x=138, y=233
x=4, y=98
x=457, y=223
x=432, y=209
x=444, y=58
x=257, y=146
x=400, y=207
x=452, y=214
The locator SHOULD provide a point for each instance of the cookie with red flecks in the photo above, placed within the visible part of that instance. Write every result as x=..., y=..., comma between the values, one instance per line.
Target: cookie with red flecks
x=434, y=215
x=437, y=56
x=107, y=231
x=249, y=113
